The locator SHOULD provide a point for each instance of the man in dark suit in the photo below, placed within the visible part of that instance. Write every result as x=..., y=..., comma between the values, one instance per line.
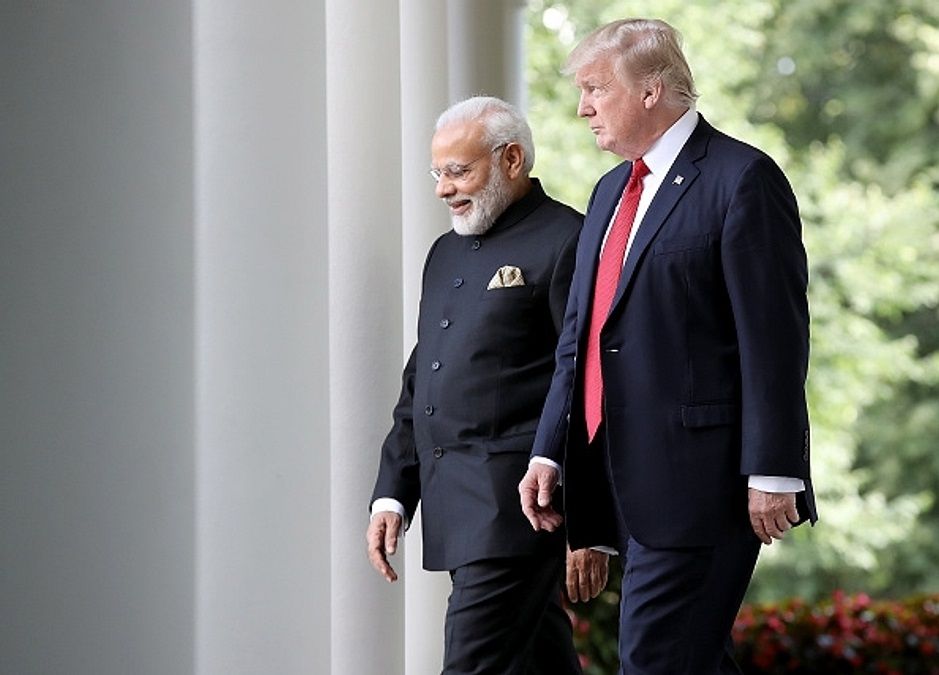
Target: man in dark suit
x=492, y=304
x=677, y=408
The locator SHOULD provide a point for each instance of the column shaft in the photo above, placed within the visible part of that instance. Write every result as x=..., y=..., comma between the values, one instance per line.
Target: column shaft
x=364, y=132
x=424, y=90
x=261, y=348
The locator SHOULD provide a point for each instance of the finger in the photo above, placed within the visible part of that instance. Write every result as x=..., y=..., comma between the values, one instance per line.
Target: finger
x=377, y=558
x=526, y=494
x=772, y=528
x=596, y=579
x=532, y=515
x=549, y=519
x=381, y=564
x=584, y=586
x=391, y=537
x=587, y=585
x=760, y=531
x=792, y=512
x=544, y=493
x=571, y=583
x=375, y=536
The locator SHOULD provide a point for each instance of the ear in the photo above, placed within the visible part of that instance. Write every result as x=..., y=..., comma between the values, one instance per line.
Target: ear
x=652, y=93
x=514, y=157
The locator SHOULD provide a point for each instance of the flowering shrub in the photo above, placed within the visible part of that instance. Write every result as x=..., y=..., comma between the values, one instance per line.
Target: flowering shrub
x=842, y=634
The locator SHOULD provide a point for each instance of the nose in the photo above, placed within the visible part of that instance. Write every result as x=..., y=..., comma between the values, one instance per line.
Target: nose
x=584, y=109
x=444, y=187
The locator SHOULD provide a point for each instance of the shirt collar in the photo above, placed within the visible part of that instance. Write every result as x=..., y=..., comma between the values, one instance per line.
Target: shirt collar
x=660, y=157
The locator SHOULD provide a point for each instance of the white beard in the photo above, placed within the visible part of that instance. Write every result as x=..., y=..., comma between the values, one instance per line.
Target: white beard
x=487, y=205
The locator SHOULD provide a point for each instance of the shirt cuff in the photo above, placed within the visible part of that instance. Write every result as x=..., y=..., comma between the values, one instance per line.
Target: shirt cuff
x=776, y=484
x=385, y=504
x=537, y=459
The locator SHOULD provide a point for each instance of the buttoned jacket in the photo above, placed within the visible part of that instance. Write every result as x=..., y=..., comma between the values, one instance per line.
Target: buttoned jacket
x=475, y=383
x=704, y=354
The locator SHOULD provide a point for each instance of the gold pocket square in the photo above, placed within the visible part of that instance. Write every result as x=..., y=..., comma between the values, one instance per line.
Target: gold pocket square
x=506, y=276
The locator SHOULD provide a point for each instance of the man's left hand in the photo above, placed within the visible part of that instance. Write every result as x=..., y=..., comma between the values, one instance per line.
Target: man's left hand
x=772, y=514
x=587, y=573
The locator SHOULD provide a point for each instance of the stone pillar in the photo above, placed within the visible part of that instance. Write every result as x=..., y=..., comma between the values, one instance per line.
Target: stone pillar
x=96, y=326
x=424, y=93
x=486, y=49
x=364, y=252
x=262, y=355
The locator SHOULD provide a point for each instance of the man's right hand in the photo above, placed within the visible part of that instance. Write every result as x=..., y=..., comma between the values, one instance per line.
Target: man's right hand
x=382, y=539
x=535, y=493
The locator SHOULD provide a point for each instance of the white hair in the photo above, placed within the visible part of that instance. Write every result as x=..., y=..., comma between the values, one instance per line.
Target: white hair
x=648, y=49
x=502, y=124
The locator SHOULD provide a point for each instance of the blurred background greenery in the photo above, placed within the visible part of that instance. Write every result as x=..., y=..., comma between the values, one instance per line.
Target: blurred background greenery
x=844, y=94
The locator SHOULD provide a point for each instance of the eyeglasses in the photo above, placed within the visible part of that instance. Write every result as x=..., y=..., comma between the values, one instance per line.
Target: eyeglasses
x=459, y=171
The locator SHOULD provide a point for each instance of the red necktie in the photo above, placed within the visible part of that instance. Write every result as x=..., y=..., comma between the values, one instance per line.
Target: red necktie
x=608, y=272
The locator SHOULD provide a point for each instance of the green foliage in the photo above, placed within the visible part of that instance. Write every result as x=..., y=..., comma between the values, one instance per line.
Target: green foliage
x=844, y=94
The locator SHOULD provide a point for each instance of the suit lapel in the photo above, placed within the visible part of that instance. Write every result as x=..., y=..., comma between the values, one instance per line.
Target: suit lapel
x=675, y=185
x=599, y=215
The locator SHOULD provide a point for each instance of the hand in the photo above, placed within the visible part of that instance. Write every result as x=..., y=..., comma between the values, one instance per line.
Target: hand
x=382, y=539
x=587, y=573
x=535, y=493
x=772, y=513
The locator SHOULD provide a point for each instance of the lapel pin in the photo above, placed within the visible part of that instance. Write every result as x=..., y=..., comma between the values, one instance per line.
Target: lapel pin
x=678, y=180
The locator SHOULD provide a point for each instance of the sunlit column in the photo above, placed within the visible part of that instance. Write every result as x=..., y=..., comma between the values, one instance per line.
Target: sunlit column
x=364, y=253
x=486, y=49
x=263, y=460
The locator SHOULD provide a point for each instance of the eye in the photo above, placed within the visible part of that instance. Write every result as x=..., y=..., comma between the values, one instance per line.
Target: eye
x=456, y=172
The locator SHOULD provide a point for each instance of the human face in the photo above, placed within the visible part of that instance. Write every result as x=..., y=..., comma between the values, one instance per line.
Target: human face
x=481, y=193
x=616, y=110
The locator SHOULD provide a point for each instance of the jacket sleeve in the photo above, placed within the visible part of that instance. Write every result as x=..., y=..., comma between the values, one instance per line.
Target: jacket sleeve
x=766, y=274
x=551, y=435
x=399, y=469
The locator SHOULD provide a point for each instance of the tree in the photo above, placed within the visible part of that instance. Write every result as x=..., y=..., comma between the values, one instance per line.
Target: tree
x=845, y=96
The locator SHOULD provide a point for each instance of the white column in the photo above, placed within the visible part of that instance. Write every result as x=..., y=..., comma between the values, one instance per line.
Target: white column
x=364, y=160
x=96, y=326
x=486, y=50
x=263, y=481
x=424, y=89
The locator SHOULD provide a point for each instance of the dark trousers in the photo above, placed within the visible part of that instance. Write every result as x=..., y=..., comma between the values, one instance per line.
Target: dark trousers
x=504, y=617
x=678, y=606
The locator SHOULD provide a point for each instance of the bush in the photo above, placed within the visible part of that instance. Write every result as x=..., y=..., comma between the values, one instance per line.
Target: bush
x=842, y=634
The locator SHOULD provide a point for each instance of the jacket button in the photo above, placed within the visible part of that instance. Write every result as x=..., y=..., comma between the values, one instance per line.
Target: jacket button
x=435, y=365
x=805, y=456
x=438, y=452
x=476, y=244
x=429, y=410
x=457, y=282
x=445, y=323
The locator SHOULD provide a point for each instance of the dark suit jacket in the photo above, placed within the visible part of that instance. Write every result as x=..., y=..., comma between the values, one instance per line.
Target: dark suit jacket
x=475, y=384
x=704, y=354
